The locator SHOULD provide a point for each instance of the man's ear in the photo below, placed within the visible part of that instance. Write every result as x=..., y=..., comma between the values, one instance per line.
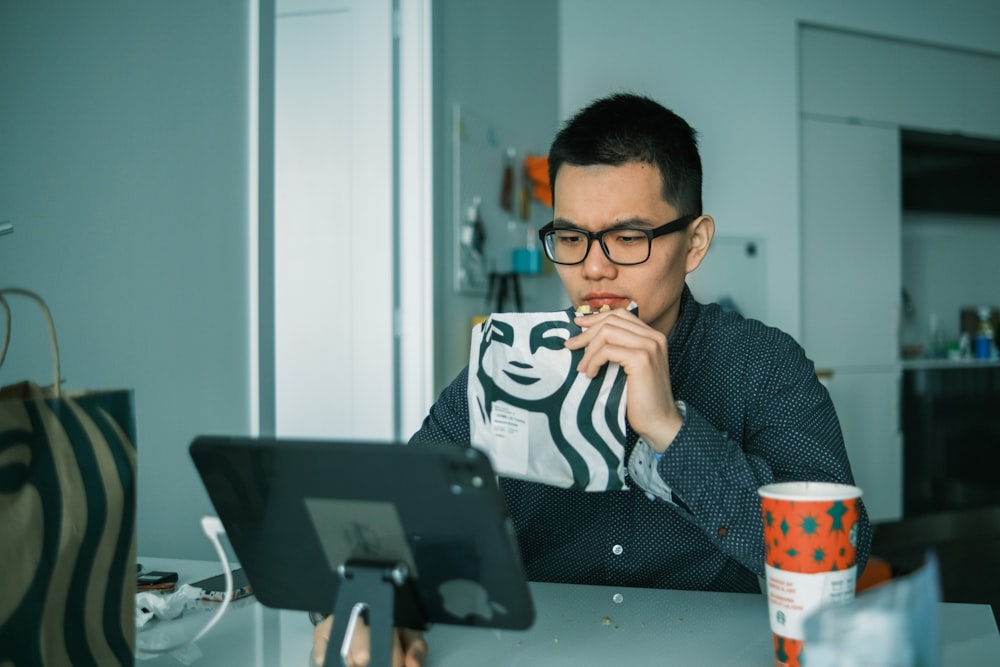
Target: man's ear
x=700, y=235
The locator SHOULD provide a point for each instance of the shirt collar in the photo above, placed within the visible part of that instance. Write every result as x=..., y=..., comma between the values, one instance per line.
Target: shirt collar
x=686, y=317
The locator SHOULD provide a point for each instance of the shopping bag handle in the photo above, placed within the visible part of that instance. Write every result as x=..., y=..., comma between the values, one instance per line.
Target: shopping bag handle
x=48, y=319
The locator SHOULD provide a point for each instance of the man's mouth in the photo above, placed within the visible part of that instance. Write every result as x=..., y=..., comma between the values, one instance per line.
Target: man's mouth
x=597, y=300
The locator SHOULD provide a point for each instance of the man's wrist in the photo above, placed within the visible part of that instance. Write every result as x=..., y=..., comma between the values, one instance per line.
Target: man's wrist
x=665, y=436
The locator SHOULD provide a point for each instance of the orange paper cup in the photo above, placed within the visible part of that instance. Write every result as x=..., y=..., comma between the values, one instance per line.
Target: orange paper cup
x=810, y=542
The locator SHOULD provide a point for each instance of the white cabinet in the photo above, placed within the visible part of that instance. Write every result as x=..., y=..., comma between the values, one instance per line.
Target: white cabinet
x=865, y=77
x=851, y=244
x=867, y=403
x=851, y=268
x=856, y=92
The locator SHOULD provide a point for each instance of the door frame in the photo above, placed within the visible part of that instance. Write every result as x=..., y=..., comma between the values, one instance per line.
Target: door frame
x=412, y=174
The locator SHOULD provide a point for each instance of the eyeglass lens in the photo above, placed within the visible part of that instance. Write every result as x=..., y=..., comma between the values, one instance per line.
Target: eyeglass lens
x=622, y=246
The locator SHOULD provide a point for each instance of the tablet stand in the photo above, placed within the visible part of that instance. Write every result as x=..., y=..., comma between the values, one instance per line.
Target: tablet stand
x=364, y=587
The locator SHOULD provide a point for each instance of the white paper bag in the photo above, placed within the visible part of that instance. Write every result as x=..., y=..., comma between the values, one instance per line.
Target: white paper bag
x=537, y=417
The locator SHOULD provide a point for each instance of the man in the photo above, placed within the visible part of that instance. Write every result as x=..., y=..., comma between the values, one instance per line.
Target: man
x=716, y=405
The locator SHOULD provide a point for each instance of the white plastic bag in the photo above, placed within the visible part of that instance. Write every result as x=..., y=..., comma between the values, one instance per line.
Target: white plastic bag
x=895, y=624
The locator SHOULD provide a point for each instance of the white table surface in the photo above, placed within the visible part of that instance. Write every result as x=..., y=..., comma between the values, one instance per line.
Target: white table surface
x=574, y=625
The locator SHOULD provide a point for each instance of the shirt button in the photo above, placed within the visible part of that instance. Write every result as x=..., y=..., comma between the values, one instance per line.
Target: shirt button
x=617, y=550
x=721, y=532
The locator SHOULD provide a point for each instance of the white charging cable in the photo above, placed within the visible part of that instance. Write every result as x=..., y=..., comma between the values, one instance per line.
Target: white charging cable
x=212, y=528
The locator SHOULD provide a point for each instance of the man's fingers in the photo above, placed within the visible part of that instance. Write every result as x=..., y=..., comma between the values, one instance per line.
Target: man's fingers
x=321, y=637
x=414, y=646
x=625, y=330
x=409, y=646
x=360, y=654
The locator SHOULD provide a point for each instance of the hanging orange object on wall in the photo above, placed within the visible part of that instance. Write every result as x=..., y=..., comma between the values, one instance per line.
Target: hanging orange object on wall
x=537, y=169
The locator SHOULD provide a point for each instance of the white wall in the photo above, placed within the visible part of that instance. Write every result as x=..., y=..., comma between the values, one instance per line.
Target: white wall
x=730, y=68
x=950, y=261
x=499, y=59
x=129, y=167
x=124, y=167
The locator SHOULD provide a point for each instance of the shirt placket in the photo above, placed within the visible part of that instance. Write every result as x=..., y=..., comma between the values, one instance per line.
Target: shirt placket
x=618, y=541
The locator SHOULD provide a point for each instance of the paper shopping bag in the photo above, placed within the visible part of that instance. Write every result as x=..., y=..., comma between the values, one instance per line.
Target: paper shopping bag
x=534, y=414
x=67, y=521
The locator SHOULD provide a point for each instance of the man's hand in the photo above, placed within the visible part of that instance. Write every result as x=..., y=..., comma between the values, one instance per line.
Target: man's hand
x=620, y=336
x=408, y=646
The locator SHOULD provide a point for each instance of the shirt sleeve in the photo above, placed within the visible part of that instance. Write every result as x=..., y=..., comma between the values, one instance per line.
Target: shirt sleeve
x=642, y=468
x=711, y=477
x=448, y=419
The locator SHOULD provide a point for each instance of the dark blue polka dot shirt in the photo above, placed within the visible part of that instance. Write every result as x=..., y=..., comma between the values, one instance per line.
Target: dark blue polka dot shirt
x=754, y=414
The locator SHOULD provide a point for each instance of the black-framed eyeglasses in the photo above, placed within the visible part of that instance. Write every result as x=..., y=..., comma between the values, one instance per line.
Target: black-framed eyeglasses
x=621, y=245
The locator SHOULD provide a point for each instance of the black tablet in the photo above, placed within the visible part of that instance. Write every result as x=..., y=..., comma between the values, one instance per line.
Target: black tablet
x=302, y=515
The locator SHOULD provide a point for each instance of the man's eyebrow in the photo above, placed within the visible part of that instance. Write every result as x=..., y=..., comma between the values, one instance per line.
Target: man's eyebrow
x=619, y=224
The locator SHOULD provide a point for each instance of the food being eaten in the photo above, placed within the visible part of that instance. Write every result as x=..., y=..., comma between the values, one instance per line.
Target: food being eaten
x=586, y=310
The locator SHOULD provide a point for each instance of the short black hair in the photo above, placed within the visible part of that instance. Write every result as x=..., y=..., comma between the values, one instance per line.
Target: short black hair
x=624, y=128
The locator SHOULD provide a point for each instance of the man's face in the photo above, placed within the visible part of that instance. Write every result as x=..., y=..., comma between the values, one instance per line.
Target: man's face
x=597, y=197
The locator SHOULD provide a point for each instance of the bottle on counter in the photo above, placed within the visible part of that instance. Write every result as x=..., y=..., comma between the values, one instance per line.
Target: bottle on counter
x=938, y=345
x=983, y=343
x=964, y=346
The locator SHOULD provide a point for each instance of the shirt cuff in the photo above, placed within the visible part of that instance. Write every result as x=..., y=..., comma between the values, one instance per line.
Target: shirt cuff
x=642, y=467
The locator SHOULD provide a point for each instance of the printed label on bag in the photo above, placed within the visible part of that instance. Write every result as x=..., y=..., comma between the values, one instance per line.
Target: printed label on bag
x=791, y=596
x=509, y=426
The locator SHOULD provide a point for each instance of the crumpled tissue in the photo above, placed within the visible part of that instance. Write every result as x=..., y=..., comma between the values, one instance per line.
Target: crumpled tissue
x=150, y=604
x=158, y=639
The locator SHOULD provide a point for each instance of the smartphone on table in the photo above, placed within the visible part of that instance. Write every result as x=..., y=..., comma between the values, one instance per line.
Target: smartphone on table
x=156, y=580
x=214, y=588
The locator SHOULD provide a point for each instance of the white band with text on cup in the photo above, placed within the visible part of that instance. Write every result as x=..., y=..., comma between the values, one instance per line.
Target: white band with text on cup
x=792, y=596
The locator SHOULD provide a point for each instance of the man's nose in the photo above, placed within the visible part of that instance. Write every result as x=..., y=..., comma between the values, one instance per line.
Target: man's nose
x=596, y=262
